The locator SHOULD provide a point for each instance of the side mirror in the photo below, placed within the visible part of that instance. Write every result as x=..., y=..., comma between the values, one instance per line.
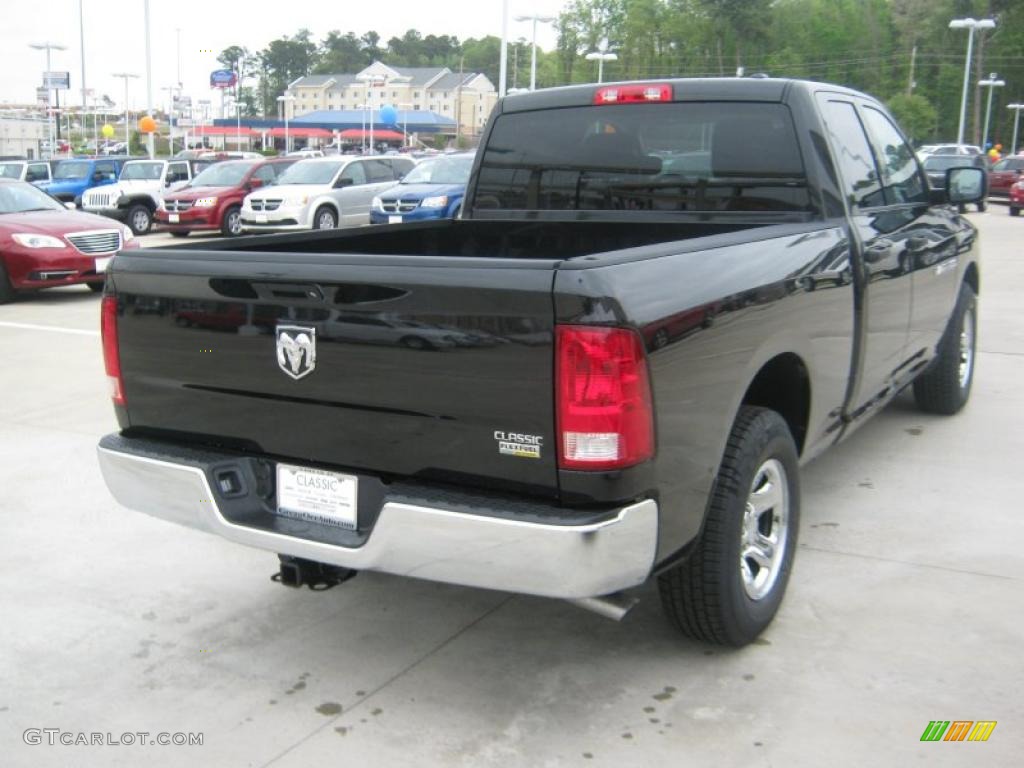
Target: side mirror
x=343, y=182
x=98, y=176
x=254, y=183
x=965, y=185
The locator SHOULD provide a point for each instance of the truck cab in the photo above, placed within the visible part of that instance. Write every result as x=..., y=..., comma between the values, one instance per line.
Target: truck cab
x=138, y=192
x=33, y=171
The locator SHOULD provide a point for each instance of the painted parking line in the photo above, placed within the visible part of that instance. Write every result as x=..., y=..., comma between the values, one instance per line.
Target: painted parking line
x=51, y=328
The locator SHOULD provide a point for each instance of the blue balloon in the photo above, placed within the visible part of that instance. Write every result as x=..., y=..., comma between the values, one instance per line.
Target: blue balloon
x=388, y=114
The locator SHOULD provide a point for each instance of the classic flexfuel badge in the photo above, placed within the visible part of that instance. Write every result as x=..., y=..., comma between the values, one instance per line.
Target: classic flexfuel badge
x=516, y=444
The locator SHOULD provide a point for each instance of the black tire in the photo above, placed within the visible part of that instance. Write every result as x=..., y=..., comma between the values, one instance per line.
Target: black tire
x=96, y=287
x=962, y=208
x=180, y=233
x=7, y=292
x=982, y=205
x=1014, y=211
x=945, y=386
x=708, y=596
x=415, y=342
x=140, y=219
x=231, y=223
x=321, y=216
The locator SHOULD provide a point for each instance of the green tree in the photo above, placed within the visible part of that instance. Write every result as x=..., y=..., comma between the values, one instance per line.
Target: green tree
x=915, y=114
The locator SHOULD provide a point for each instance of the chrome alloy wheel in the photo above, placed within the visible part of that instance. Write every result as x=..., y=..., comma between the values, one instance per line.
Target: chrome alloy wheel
x=765, y=529
x=235, y=222
x=325, y=220
x=966, y=349
x=140, y=221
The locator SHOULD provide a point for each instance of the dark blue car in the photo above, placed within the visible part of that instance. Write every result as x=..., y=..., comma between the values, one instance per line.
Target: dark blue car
x=72, y=177
x=432, y=190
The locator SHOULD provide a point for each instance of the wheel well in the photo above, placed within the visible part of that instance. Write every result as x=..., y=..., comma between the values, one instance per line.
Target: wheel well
x=971, y=278
x=143, y=201
x=783, y=386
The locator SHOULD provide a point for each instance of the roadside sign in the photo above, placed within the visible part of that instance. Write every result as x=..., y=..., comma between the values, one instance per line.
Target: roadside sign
x=60, y=81
x=181, y=102
x=43, y=97
x=223, y=78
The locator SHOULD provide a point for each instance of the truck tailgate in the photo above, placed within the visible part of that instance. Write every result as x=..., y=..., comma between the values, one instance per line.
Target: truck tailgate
x=431, y=367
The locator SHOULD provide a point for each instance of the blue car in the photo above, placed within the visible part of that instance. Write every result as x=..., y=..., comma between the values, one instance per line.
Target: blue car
x=72, y=177
x=432, y=190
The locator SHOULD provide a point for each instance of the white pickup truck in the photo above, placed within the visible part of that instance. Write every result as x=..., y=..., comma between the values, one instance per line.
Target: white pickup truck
x=139, y=191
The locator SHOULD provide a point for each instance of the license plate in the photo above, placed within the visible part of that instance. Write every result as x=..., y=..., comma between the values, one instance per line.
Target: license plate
x=101, y=264
x=394, y=219
x=317, y=496
x=173, y=218
x=260, y=218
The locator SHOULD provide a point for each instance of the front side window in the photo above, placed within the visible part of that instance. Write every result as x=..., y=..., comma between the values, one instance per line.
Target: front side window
x=356, y=172
x=685, y=157
x=852, y=152
x=900, y=172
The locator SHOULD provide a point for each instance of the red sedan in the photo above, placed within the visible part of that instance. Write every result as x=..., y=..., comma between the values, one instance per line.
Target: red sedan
x=1016, y=198
x=43, y=244
x=213, y=199
x=1005, y=174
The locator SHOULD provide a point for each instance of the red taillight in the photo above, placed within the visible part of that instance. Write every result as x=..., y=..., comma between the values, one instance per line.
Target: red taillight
x=602, y=398
x=111, y=355
x=633, y=94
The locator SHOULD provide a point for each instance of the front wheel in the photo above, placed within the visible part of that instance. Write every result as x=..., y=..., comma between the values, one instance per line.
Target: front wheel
x=179, y=233
x=324, y=218
x=731, y=585
x=945, y=386
x=140, y=219
x=981, y=206
x=7, y=292
x=1014, y=211
x=96, y=287
x=231, y=225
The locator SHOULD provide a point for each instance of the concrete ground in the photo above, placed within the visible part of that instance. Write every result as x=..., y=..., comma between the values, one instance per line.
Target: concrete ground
x=905, y=607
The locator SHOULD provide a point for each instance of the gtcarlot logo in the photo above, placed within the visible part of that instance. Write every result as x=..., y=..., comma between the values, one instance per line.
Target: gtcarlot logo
x=54, y=736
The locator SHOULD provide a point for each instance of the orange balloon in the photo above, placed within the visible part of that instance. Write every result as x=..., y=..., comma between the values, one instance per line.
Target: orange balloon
x=147, y=124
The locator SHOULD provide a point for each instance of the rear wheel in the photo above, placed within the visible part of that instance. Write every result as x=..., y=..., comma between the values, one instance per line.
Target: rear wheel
x=7, y=292
x=731, y=585
x=945, y=386
x=1014, y=211
x=96, y=287
x=325, y=218
x=231, y=225
x=140, y=219
x=981, y=206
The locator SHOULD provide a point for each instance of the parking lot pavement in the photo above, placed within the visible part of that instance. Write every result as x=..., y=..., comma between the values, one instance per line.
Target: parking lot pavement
x=904, y=607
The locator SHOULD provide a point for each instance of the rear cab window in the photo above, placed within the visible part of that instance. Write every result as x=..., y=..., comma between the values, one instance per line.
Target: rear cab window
x=677, y=156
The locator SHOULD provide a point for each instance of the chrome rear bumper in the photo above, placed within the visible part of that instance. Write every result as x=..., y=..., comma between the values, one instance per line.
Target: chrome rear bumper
x=427, y=542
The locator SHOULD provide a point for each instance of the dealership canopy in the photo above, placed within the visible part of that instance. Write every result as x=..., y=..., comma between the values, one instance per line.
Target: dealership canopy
x=412, y=121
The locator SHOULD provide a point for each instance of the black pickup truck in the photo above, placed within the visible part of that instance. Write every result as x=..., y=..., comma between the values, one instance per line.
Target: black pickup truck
x=661, y=299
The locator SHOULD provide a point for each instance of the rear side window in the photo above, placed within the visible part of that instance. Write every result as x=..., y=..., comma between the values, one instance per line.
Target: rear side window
x=900, y=172
x=265, y=173
x=37, y=172
x=852, y=152
x=656, y=157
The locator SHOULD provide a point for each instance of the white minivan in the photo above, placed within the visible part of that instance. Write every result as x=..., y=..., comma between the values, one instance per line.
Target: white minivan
x=322, y=193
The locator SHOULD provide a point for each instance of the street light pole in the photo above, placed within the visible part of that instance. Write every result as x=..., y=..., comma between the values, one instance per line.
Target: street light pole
x=503, y=59
x=48, y=46
x=970, y=25
x=1016, y=119
x=149, y=79
x=533, y=60
x=601, y=57
x=81, y=43
x=127, y=136
x=992, y=83
x=283, y=100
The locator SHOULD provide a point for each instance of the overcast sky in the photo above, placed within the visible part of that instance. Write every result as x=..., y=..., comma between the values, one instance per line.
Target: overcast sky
x=115, y=36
